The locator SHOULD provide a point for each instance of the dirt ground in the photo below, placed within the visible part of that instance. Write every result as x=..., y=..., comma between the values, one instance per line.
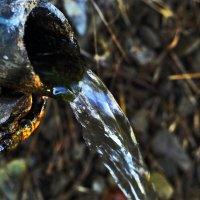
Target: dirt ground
x=148, y=54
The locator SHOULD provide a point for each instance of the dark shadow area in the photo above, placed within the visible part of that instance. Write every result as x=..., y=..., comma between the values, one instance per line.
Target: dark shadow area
x=51, y=47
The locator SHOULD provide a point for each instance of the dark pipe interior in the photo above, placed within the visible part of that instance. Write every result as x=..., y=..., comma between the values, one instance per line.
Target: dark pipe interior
x=53, y=52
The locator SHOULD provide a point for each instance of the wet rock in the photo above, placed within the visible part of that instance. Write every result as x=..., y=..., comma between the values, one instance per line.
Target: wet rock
x=162, y=186
x=153, y=19
x=99, y=185
x=150, y=37
x=167, y=145
x=169, y=166
x=139, y=52
x=185, y=107
x=140, y=122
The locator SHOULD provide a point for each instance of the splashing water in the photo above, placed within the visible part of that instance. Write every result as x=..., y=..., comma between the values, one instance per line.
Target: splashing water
x=107, y=131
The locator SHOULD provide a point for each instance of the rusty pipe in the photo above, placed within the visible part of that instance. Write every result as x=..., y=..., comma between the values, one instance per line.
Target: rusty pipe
x=36, y=38
x=38, y=51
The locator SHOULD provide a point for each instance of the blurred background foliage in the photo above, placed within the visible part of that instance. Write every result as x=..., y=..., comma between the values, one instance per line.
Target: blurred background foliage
x=147, y=53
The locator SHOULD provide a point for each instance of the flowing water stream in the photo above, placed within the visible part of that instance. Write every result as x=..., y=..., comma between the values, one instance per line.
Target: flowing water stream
x=108, y=132
x=50, y=42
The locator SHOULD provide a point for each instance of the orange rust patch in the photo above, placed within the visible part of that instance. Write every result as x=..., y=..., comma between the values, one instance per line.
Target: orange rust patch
x=26, y=130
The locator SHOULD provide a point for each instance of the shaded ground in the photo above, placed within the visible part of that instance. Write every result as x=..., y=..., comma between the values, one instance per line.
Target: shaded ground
x=135, y=47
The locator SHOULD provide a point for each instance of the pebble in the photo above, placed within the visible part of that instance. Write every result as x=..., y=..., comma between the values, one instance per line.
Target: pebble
x=150, y=37
x=166, y=145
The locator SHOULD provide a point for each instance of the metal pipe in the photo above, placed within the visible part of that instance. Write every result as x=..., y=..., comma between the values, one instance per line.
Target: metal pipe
x=35, y=37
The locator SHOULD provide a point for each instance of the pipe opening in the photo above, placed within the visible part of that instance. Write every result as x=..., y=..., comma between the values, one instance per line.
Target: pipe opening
x=51, y=47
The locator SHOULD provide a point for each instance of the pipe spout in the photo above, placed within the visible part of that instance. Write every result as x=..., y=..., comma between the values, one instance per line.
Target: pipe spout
x=35, y=40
